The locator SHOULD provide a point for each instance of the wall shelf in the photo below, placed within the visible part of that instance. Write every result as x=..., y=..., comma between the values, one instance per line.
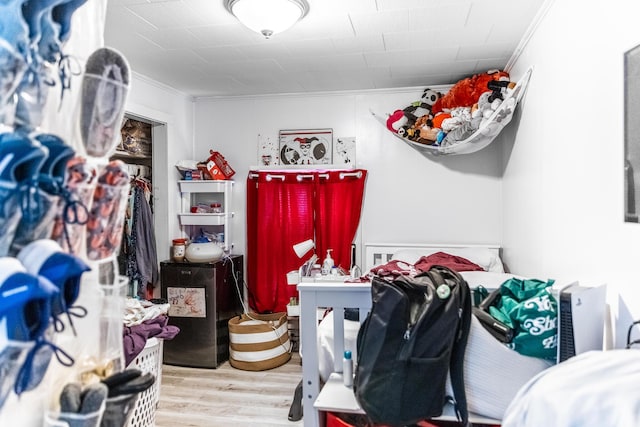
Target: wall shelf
x=202, y=219
x=205, y=186
x=129, y=156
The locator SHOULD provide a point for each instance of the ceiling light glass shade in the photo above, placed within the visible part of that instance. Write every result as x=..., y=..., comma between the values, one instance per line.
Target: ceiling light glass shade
x=268, y=17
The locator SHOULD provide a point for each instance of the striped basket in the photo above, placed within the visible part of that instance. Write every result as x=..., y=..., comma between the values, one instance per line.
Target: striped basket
x=259, y=341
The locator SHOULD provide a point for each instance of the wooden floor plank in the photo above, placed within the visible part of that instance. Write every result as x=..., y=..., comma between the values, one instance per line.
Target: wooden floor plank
x=227, y=397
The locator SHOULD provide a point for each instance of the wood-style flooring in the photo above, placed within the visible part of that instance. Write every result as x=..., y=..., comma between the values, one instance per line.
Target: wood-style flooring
x=228, y=397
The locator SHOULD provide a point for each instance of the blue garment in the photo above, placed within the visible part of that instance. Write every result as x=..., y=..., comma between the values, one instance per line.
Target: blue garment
x=25, y=304
x=146, y=254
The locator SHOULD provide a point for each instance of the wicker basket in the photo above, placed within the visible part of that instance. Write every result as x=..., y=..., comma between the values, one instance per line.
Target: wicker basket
x=149, y=360
x=259, y=341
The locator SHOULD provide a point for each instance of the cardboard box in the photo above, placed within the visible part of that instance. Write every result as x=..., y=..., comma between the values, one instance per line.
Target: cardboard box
x=218, y=167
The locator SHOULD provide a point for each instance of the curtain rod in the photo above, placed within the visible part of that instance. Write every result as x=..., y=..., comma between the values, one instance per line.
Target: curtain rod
x=298, y=168
x=302, y=176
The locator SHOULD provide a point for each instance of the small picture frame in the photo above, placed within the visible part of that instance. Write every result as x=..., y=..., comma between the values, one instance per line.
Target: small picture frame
x=187, y=302
x=267, y=151
x=344, y=151
x=306, y=146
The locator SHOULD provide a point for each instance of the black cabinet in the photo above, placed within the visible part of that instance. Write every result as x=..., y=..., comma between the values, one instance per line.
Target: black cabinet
x=202, y=298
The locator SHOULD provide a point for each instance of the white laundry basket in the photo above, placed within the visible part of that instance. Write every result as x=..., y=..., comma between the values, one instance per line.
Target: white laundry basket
x=149, y=360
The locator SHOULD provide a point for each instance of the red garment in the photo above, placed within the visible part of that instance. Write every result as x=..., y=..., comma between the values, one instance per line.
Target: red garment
x=395, y=268
x=455, y=263
x=400, y=268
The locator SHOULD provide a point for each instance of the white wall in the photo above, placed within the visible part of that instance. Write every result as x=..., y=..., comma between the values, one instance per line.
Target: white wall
x=159, y=103
x=562, y=188
x=563, y=184
x=409, y=198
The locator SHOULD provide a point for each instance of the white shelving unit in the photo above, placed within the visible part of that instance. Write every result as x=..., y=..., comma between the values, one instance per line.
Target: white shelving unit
x=218, y=190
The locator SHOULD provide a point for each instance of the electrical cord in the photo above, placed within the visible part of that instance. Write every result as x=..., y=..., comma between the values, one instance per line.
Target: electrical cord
x=226, y=258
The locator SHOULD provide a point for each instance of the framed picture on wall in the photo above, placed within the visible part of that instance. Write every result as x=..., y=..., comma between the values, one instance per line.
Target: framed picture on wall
x=267, y=151
x=306, y=146
x=632, y=134
x=344, y=151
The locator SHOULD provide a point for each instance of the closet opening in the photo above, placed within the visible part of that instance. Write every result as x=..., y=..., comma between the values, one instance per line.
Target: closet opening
x=141, y=141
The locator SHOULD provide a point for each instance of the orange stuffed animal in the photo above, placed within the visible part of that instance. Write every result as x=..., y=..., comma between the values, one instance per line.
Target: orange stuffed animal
x=467, y=91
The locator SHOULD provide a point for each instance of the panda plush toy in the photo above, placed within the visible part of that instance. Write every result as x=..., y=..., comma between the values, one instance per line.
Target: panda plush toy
x=422, y=107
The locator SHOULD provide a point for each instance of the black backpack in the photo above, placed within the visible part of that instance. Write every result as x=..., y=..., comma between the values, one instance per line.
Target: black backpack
x=414, y=335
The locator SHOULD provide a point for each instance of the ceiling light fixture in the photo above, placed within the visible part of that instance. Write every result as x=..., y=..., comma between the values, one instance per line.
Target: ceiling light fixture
x=268, y=17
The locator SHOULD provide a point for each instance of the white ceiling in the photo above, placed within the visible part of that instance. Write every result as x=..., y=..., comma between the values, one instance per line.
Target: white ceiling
x=198, y=48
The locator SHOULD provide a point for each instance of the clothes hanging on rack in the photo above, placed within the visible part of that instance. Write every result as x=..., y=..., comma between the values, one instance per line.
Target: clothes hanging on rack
x=139, y=251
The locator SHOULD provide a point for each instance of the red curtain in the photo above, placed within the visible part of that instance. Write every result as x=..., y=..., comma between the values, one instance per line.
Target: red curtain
x=279, y=215
x=339, y=197
x=285, y=208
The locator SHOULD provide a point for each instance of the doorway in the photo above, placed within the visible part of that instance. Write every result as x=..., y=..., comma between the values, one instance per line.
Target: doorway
x=143, y=143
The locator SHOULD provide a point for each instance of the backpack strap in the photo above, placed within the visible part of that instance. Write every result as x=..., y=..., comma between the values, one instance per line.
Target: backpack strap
x=456, y=366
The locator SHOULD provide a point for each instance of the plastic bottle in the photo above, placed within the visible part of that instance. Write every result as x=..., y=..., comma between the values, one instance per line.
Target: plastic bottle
x=178, y=250
x=347, y=369
x=327, y=265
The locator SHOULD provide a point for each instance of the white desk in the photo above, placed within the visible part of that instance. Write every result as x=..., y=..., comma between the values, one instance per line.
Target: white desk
x=335, y=397
x=338, y=295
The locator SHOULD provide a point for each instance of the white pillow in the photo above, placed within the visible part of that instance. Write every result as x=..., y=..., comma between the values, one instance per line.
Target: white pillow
x=484, y=257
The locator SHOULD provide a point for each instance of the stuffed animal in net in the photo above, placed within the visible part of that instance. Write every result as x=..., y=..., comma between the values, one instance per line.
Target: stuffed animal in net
x=422, y=107
x=413, y=121
x=396, y=121
x=466, y=92
x=465, y=121
x=402, y=121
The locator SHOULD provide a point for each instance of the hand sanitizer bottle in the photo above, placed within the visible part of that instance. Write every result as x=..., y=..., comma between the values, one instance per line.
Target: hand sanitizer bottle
x=327, y=265
x=347, y=369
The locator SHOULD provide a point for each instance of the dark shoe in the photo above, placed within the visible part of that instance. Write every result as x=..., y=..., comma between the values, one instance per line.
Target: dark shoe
x=295, y=412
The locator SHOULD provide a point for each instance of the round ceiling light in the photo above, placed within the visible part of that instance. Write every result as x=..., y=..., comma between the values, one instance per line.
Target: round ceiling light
x=268, y=17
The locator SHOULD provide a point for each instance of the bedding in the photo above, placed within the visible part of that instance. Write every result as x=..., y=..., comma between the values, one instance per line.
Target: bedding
x=592, y=389
x=424, y=263
x=485, y=258
x=489, y=391
x=490, y=280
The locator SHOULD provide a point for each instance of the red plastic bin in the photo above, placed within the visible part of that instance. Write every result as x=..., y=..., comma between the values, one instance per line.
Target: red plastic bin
x=333, y=420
